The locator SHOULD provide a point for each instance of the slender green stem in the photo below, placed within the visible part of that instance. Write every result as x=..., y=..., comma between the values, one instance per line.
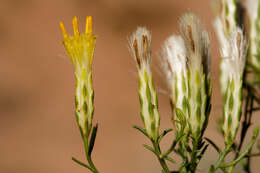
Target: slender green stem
x=160, y=158
x=220, y=159
x=82, y=164
x=194, y=155
x=230, y=170
x=182, y=151
x=248, y=111
x=247, y=150
x=213, y=144
x=89, y=159
x=174, y=143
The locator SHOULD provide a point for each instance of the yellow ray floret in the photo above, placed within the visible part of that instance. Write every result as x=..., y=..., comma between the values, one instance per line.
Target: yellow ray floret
x=89, y=25
x=75, y=26
x=80, y=47
x=63, y=30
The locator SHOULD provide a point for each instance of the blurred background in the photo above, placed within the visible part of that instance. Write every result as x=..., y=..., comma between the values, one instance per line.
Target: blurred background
x=38, y=131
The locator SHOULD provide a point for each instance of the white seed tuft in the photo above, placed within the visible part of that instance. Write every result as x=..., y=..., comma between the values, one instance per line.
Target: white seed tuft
x=197, y=42
x=237, y=54
x=174, y=58
x=140, y=46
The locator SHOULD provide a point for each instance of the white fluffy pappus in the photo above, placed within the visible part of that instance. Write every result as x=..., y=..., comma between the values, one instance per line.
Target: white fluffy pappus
x=140, y=46
x=197, y=43
x=236, y=59
x=174, y=58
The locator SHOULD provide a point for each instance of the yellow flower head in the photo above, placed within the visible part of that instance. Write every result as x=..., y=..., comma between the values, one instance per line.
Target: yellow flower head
x=80, y=47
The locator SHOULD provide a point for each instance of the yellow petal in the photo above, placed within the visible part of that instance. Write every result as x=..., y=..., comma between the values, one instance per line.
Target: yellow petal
x=89, y=25
x=63, y=30
x=75, y=26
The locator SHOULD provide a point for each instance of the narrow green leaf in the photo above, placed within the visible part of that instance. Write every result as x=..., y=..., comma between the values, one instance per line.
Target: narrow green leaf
x=92, y=139
x=150, y=149
x=84, y=90
x=165, y=132
x=203, y=151
x=82, y=164
x=213, y=144
x=170, y=159
x=198, y=97
x=231, y=102
x=143, y=131
x=176, y=88
x=248, y=148
x=85, y=107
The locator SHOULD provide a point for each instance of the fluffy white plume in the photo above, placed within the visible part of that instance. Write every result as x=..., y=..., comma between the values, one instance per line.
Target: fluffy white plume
x=140, y=46
x=174, y=58
x=237, y=54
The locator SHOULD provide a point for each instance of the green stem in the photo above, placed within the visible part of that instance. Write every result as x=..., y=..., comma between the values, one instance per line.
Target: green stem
x=220, y=159
x=82, y=164
x=174, y=143
x=160, y=158
x=247, y=150
x=194, y=153
x=230, y=170
x=182, y=151
x=89, y=159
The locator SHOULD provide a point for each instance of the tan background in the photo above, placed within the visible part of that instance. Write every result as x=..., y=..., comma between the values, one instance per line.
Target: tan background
x=38, y=132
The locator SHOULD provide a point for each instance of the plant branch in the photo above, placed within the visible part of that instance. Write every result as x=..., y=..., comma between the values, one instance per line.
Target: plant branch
x=220, y=159
x=82, y=164
x=160, y=158
x=247, y=150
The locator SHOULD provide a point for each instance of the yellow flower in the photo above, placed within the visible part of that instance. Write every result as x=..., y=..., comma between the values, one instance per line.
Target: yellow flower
x=80, y=47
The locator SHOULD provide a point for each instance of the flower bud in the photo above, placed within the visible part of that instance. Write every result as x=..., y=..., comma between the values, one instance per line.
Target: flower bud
x=187, y=68
x=139, y=45
x=225, y=23
x=235, y=64
x=198, y=64
x=175, y=68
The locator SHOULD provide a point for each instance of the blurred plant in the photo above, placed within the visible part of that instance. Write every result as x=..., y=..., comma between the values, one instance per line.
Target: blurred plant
x=254, y=19
x=80, y=49
x=234, y=77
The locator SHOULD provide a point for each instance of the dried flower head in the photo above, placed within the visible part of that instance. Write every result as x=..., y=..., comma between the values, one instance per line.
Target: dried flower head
x=225, y=22
x=197, y=43
x=237, y=54
x=198, y=59
x=234, y=64
x=175, y=68
x=187, y=68
x=139, y=44
x=174, y=56
x=140, y=48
